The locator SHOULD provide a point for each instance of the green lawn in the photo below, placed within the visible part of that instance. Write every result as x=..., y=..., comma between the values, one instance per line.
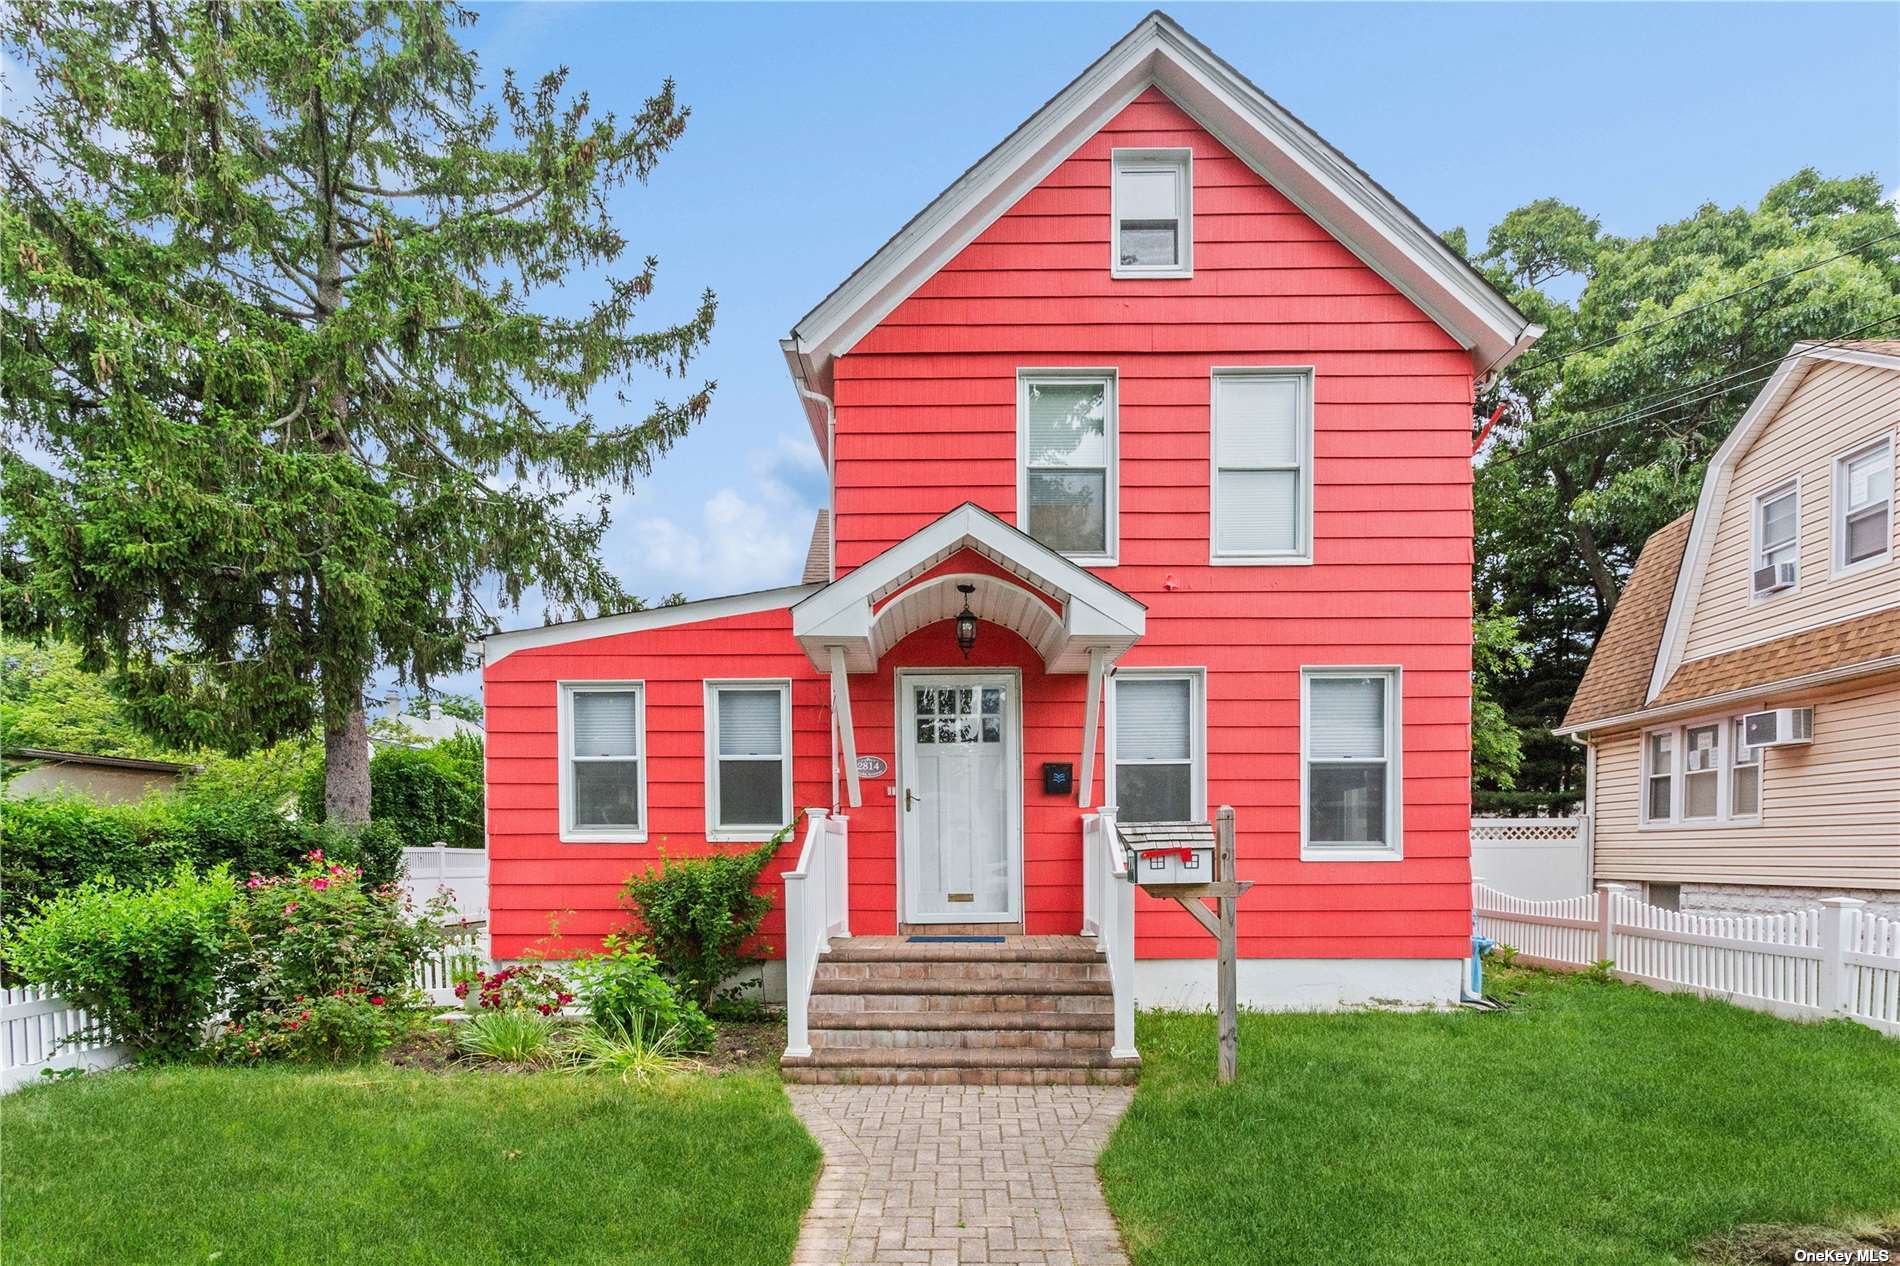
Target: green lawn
x=1592, y=1123
x=382, y=1165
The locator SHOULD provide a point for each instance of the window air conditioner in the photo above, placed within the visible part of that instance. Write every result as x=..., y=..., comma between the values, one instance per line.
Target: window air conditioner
x=1778, y=727
x=1774, y=578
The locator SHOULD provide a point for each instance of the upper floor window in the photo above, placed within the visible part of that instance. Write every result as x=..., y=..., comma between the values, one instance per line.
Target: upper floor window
x=1701, y=772
x=1263, y=472
x=1777, y=539
x=1153, y=213
x=1863, y=505
x=603, y=762
x=1349, y=755
x=748, y=766
x=1067, y=493
x=1156, y=753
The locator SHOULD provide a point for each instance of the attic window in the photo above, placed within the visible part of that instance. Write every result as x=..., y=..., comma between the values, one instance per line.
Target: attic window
x=1153, y=213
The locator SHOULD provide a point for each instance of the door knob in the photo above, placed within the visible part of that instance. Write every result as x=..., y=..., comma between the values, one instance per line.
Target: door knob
x=908, y=800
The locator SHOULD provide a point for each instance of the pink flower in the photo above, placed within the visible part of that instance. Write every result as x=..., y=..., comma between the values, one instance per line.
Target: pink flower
x=319, y=884
x=256, y=881
x=376, y=1000
x=290, y=908
x=314, y=855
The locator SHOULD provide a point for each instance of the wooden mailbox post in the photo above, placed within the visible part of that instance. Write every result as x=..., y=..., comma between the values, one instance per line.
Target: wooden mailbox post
x=1224, y=888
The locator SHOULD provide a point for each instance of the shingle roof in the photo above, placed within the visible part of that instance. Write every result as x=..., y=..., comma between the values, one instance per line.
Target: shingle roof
x=818, y=556
x=1841, y=644
x=1885, y=346
x=1617, y=680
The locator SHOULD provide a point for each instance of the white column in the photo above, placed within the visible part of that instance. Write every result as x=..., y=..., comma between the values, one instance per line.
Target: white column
x=1840, y=920
x=1091, y=718
x=841, y=709
x=1606, y=918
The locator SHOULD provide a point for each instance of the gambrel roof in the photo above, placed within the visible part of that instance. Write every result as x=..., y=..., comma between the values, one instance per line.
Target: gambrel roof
x=1285, y=152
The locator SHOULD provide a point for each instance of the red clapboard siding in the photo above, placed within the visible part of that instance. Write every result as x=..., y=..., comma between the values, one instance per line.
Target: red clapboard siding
x=926, y=415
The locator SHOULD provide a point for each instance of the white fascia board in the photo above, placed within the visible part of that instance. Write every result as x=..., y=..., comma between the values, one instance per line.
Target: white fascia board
x=498, y=646
x=1283, y=150
x=1781, y=385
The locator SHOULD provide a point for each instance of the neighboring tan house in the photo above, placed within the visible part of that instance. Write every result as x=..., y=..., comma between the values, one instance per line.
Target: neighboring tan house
x=113, y=779
x=1176, y=403
x=1742, y=710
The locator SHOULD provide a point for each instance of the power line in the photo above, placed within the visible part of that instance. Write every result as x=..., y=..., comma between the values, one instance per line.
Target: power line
x=1694, y=393
x=1533, y=362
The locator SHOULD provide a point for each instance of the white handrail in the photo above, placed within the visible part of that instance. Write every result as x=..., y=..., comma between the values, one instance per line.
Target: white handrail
x=1108, y=913
x=817, y=908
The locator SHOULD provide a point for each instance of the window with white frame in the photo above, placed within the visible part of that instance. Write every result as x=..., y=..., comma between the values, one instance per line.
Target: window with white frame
x=1863, y=505
x=1068, y=493
x=1700, y=772
x=1156, y=748
x=1777, y=538
x=749, y=765
x=1153, y=213
x=1262, y=493
x=603, y=761
x=1350, y=778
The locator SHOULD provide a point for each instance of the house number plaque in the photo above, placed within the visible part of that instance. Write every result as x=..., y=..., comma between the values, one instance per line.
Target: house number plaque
x=872, y=766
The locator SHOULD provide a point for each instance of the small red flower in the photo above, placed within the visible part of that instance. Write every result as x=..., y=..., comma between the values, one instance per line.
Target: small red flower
x=376, y=1000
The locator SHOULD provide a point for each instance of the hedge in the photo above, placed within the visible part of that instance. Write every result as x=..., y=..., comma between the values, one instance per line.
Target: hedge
x=425, y=794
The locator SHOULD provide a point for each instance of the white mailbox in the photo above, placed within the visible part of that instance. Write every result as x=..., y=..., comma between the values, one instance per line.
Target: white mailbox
x=1165, y=853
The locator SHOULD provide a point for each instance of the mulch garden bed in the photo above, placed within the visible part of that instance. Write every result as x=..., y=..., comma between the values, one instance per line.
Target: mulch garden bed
x=740, y=1046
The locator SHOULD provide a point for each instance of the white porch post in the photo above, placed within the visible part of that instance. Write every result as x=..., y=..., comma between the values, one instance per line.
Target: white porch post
x=1091, y=717
x=841, y=710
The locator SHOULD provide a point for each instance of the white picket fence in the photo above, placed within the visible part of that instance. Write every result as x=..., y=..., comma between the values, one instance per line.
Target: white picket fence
x=1838, y=960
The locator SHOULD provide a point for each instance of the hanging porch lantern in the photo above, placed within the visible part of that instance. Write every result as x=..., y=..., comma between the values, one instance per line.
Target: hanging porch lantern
x=966, y=622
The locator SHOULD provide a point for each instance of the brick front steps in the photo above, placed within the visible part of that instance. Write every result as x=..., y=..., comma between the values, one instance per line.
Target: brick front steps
x=1030, y=1010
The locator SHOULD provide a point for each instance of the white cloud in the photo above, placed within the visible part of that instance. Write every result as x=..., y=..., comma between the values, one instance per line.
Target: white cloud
x=748, y=536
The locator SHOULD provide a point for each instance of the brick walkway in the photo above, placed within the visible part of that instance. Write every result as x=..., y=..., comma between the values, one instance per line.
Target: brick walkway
x=943, y=1174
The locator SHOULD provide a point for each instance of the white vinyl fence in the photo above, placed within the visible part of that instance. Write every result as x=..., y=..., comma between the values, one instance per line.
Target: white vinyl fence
x=1838, y=960
x=1541, y=858
x=460, y=872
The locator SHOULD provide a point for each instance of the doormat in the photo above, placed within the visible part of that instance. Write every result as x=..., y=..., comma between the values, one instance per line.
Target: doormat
x=956, y=940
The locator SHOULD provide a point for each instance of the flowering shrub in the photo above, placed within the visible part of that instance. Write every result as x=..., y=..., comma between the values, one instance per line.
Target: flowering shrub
x=522, y=988
x=315, y=962
x=701, y=915
x=625, y=992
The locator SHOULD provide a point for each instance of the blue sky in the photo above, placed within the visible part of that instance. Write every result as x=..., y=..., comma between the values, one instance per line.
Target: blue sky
x=818, y=130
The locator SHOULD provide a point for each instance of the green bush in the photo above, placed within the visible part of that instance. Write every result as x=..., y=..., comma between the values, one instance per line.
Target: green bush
x=143, y=962
x=425, y=794
x=699, y=912
x=625, y=992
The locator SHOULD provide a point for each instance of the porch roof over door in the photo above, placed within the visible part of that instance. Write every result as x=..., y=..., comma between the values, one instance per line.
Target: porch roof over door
x=1067, y=614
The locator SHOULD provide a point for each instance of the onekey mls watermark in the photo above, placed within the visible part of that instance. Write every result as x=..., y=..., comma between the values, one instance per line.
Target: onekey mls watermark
x=1843, y=1255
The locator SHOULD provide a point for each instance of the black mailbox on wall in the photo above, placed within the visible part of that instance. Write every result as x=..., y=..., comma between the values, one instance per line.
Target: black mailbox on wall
x=1058, y=778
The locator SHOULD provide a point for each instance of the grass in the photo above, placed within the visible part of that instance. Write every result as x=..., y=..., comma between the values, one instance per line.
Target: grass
x=384, y=1165
x=1592, y=1123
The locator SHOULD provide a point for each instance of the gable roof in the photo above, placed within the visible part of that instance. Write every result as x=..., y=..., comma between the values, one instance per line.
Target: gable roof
x=1616, y=682
x=1785, y=381
x=818, y=553
x=1285, y=152
x=1865, y=641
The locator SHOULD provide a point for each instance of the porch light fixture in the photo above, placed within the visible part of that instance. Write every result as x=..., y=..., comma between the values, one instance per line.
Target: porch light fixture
x=966, y=622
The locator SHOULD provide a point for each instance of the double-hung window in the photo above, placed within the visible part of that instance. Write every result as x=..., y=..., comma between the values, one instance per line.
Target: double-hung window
x=1700, y=773
x=1261, y=499
x=1156, y=743
x=1349, y=764
x=748, y=767
x=1153, y=213
x=1777, y=539
x=1863, y=505
x=603, y=762
x=1067, y=494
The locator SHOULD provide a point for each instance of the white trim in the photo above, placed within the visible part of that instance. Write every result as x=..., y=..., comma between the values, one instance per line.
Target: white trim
x=1838, y=510
x=1305, y=984
x=1724, y=724
x=904, y=725
x=1394, y=849
x=1313, y=175
x=1302, y=552
x=1110, y=378
x=1690, y=707
x=1196, y=679
x=1787, y=377
x=1179, y=161
x=1773, y=492
x=564, y=745
x=498, y=646
x=748, y=832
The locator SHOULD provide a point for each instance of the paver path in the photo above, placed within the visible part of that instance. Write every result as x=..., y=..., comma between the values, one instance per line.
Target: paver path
x=942, y=1174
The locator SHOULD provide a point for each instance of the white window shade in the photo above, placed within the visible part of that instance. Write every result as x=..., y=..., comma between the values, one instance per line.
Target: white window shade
x=751, y=723
x=606, y=723
x=1152, y=720
x=1259, y=511
x=1348, y=718
x=1259, y=421
x=1150, y=193
x=1068, y=424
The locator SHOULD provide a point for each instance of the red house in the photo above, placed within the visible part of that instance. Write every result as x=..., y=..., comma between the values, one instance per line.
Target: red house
x=1176, y=402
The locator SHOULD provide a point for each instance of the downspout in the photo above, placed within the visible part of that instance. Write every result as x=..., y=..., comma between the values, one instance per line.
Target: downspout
x=831, y=468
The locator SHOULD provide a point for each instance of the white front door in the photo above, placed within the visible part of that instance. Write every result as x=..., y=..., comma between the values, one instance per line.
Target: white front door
x=959, y=798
